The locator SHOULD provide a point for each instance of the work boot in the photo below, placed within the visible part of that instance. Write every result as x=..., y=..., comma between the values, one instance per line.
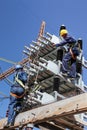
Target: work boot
x=9, y=125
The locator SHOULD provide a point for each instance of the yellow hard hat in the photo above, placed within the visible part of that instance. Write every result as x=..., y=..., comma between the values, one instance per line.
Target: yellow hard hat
x=63, y=31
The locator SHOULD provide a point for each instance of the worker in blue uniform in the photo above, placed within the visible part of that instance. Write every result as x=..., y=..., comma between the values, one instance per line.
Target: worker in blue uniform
x=71, y=53
x=60, y=50
x=17, y=92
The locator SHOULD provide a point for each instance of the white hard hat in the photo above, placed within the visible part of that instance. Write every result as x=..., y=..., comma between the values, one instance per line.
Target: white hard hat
x=18, y=67
x=30, y=125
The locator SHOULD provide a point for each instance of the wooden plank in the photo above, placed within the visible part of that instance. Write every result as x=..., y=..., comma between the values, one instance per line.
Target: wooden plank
x=50, y=126
x=12, y=69
x=73, y=105
x=67, y=124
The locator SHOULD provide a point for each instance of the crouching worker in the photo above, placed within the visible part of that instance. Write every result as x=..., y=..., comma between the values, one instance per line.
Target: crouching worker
x=17, y=92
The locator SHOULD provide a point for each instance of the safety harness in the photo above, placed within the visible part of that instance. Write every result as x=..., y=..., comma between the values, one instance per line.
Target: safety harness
x=14, y=95
x=19, y=82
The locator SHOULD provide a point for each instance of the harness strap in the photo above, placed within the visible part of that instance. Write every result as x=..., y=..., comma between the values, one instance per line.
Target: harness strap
x=14, y=95
x=20, y=82
x=73, y=56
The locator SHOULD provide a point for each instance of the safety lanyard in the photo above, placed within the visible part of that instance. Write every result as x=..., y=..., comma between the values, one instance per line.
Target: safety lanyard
x=74, y=57
x=19, y=81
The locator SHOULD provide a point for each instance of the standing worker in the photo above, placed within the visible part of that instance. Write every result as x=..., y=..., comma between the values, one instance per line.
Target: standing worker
x=60, y=51
x=71, y=54
x=17, y=93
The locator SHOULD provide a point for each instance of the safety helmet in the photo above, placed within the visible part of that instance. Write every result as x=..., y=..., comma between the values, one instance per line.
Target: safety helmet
x=17, y=67
x=30, y=125
x=63, y=32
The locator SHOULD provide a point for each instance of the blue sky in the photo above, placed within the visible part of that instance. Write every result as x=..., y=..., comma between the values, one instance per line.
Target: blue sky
x=20, y=21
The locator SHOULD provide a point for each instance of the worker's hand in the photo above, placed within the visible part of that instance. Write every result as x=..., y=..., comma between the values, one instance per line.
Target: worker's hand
x=53, y=45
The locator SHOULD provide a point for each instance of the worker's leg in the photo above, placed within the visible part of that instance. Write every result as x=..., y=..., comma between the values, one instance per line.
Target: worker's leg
x=14, y=109
x=65, y=62
x=13, y=102
x=72, y=72
x=18, y=105
x=11, y=109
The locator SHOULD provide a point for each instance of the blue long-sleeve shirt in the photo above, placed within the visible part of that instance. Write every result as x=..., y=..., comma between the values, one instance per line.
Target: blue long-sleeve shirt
x=68, y=40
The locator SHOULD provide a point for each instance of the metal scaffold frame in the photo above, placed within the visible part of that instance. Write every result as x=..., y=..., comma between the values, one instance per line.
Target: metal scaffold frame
x=46, y=106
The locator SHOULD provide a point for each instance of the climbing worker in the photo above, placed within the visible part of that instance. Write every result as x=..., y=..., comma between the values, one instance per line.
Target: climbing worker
x=71, y=53
x=17, y=92
x=29, y=126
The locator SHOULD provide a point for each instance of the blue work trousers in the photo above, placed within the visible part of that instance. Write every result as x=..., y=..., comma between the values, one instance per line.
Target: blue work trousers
x=15, y=103
x=66, y=68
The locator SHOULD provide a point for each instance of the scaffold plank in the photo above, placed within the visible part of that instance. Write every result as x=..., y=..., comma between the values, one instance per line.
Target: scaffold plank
x=69, y=106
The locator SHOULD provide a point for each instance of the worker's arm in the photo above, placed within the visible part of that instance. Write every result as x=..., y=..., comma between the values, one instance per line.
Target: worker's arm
x=68, y=39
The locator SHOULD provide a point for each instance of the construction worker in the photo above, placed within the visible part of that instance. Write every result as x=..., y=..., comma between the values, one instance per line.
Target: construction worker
x=71, y=53
x=17, y=92
x=60, y=50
